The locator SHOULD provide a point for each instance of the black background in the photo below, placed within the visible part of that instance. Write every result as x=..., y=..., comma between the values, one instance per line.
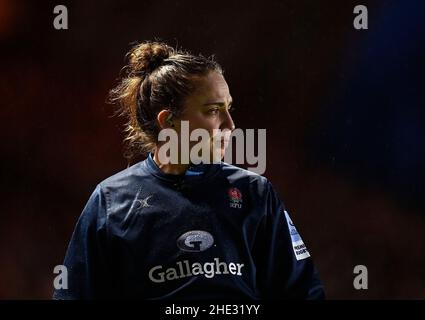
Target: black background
x=343, y=109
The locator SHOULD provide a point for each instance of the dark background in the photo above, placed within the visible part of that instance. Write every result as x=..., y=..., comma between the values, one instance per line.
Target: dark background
x=343, y=109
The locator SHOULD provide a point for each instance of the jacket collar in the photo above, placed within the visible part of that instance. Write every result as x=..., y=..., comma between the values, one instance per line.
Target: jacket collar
x=194, y=173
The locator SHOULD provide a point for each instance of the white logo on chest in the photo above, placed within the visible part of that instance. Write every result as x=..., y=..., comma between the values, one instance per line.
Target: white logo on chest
x=143, y=203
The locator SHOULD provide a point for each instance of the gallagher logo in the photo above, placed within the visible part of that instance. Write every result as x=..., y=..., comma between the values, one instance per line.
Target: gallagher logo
x=195, y=241
x=235, y=197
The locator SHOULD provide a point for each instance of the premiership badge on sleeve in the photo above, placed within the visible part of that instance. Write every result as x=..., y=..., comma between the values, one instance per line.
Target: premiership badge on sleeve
x=298, y=245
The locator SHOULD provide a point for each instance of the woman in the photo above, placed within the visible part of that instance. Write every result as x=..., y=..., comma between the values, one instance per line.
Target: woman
x=159, y=230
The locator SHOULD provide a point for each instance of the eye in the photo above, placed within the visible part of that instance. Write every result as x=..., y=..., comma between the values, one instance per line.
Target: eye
x=213, y=111
x=231, y=108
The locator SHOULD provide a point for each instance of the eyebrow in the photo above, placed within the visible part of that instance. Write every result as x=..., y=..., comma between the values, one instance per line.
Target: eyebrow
x=217, y=103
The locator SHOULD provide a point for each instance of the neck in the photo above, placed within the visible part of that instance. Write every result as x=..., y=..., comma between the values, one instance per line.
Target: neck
x=169, y=168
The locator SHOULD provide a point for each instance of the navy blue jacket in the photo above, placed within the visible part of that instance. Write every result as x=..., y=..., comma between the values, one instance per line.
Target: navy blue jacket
x=218, y=231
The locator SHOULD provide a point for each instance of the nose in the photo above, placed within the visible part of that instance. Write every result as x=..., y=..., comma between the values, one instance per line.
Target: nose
x=227, y=121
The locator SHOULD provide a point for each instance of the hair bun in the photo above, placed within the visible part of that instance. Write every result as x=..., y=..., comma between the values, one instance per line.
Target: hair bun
x=147, y=56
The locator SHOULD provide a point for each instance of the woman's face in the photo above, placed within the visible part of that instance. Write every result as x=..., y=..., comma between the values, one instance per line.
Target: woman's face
x=208, y=108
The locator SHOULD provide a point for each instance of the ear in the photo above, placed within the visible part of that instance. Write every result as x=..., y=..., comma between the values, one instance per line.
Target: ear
x=165, y=119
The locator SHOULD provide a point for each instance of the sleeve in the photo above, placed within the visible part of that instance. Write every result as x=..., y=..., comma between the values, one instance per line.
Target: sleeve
x=286, y=270
x=85, y=256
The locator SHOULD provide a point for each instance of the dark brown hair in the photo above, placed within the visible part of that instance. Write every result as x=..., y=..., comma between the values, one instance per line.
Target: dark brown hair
x=156, y=77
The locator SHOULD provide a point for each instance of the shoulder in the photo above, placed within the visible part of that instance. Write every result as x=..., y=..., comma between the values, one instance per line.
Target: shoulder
x=123, y=185
x=123, y=177
x=237, y=175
